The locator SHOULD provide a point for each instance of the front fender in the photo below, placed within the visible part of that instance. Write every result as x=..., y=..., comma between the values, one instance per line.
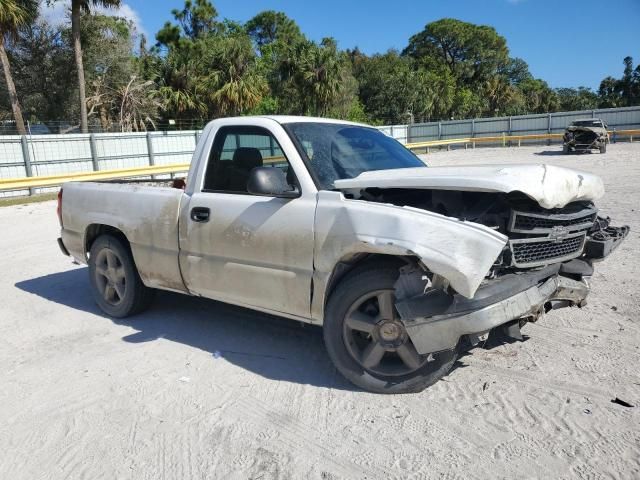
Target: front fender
x=462, y=252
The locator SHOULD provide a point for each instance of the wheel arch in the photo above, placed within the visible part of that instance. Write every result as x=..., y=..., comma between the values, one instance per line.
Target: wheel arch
x=353, y=262
x=95, y=230
x=158, y=268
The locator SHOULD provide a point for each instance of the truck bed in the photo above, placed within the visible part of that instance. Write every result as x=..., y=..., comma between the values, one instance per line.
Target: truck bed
x=146, y=211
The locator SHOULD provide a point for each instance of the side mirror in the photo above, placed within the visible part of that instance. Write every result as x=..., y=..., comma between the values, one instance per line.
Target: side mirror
x=270, y=181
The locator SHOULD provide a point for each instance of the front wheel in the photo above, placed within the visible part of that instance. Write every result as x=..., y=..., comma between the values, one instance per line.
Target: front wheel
x=603, y=148
x=115, y=282
x=367, y=341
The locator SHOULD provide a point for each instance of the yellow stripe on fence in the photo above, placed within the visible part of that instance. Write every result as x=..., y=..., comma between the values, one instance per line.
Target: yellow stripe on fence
x=53, y=180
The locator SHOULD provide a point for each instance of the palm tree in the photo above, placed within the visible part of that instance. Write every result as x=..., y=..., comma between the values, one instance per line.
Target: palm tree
x=235, y=82
x=77, y=7
x=321, y=72
x=13, y=15
x=498, y=93
x=180, y=89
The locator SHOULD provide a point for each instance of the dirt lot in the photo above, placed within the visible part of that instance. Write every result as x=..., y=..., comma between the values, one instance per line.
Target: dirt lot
x=196, y=389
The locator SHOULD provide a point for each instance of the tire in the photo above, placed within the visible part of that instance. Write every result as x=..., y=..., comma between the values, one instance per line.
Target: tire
x=351, y=349
x=565, y=149
x=603, y=148
x=114, y=278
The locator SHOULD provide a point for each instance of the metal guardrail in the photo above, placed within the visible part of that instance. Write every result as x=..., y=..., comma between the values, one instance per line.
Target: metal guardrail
x=54, y=180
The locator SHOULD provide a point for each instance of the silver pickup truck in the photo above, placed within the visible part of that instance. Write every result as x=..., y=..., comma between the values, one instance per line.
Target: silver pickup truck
x=336, y=224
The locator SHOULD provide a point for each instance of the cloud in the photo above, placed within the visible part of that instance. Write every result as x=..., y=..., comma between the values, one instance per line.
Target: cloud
x=58, y=13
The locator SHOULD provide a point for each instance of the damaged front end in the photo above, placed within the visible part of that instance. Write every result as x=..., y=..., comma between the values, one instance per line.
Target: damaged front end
x=552, y=234
x=546, y=264
x=584, y=139
x=437, y=320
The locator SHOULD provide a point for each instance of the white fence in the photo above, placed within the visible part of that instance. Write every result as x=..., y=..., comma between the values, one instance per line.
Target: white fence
x=41, y=155
x=626, y=118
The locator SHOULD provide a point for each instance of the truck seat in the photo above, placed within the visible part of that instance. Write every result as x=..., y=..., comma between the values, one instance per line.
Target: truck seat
x=244, y=160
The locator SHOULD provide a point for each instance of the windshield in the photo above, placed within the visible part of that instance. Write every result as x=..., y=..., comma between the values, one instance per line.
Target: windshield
x=587, y=123
x=338, y=151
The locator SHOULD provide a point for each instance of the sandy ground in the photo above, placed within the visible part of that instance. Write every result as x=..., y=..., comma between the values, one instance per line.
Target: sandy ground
x=197, y=389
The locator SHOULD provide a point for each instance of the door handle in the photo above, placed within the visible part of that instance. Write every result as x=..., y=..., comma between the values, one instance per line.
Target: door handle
x=200, y=214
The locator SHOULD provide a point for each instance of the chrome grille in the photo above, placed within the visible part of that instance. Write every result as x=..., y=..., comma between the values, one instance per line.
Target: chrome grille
x=525, y=222
x=544, y=238
x=530, y=252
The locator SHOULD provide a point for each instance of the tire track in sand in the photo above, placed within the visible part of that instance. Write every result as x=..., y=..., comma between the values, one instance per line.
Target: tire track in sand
x=301, y=438
x=537, y=381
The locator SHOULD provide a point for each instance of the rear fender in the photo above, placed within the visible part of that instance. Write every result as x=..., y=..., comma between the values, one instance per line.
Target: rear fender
x=146, y=216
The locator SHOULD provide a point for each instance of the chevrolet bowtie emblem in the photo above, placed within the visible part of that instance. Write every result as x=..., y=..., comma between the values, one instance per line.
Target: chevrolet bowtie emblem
x=558, y=234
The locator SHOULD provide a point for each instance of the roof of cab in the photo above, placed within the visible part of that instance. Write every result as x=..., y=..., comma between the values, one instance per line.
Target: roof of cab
x=282, y=119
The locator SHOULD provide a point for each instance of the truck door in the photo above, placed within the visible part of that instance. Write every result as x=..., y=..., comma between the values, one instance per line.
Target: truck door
x=250, y=250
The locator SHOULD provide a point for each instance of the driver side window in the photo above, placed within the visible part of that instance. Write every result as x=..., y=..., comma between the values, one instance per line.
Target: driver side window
x=236, y=152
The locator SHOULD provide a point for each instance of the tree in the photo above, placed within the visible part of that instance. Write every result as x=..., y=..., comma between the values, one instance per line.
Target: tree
x=116, y=93
x=500, y=95
x=234, y=81
x=581, y=98
x=196, y=20
x=516, y=71
x=393, y=90
x=630, y=83
x=280, y=45
x=626, y=82
x=623, y=92
x=137, y=103
x=538, y=96
x=77, y=8
x=180, y=89
x=185, y=68
x=13, y=15
x=609, y=93
x=41, y=60
x=319, y=76
x=472, y=53
x=271, y=26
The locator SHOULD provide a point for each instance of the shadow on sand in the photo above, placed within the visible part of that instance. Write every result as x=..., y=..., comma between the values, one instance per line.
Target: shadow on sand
x=269, y=346
x=273, y=347
x=546, y=153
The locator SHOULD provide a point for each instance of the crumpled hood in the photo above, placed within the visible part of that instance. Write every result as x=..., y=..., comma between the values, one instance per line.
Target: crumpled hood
x=597, y=130
x=549, y=185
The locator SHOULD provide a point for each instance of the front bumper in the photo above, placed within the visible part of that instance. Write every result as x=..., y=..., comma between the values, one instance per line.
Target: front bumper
x=442, y=332
x=573, y=145
x=436, y=320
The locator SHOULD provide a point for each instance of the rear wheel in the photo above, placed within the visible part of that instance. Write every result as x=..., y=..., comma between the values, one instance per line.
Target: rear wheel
x=367, y=341
x=115, y=283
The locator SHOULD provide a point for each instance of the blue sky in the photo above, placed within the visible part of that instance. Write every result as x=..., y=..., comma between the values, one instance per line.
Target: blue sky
x=543, y=32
